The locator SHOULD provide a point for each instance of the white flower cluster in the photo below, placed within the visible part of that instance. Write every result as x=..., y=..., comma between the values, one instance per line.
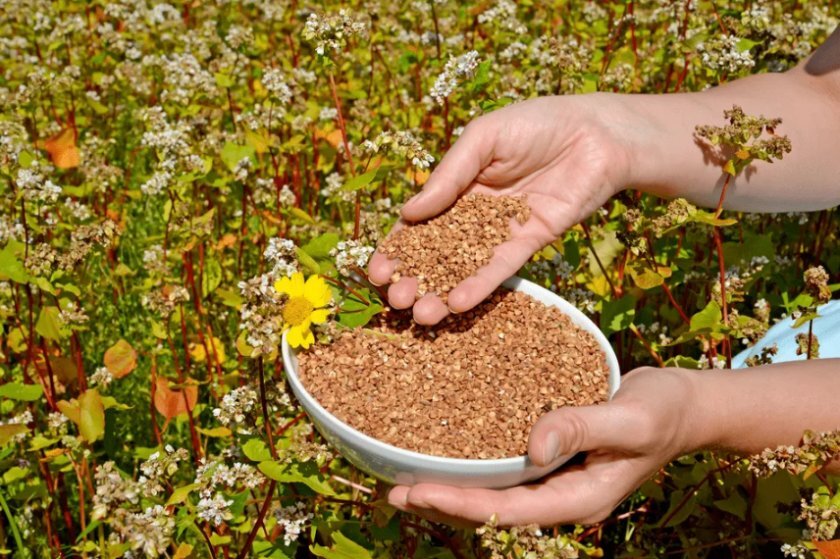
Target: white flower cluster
x=112, y=490
x=503, y=13
x=149, y=531
x=457, y=69
x=333, y=191
x=101, y=378
x=328, y=114
x=159, y=466
x=722, y=53
x=293, y=519
x=36, y=187
x=331, y=32
x=260, y=316
x=214, y=474
x=275, y=82
x=797, y=551
x=402, y=143
x=350, y=255
x=214, y=509
x=282, y=255
x=235, y=405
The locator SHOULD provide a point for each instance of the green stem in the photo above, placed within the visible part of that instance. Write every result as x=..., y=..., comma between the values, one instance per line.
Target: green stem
x=12, y=523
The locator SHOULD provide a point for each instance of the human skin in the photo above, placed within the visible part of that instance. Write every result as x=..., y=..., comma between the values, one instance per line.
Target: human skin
x=570, y=154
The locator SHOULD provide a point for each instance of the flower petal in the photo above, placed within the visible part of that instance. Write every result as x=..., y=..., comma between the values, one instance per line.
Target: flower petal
x=300, y=336
x=308, y=339
x=317, y=292
x=291, y=286
x=319, y=316
x=295, y=336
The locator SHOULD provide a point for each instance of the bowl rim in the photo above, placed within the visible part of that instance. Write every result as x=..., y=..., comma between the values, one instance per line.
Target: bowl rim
x=381, y=447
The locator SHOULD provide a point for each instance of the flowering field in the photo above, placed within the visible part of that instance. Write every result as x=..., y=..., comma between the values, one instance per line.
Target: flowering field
x=182, y=182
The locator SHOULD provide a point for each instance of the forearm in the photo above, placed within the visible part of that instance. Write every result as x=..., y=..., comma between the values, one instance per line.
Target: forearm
x=764, y=407
x=667, y=160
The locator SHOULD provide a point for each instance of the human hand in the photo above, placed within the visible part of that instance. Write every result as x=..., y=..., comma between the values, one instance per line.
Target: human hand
x=649, y=422
x=565, y=153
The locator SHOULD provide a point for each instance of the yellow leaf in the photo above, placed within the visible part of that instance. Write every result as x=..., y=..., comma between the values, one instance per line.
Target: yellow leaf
x=62, y=149
x=184, y=550
x=742, y=154
x=217, y=351
x=599, y=286
x=258, y=140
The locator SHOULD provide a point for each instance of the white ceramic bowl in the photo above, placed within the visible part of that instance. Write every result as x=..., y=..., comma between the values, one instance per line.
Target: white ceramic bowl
x=404, y=467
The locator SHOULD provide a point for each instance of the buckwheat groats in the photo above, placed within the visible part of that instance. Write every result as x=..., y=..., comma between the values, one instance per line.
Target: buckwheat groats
x=469, y=387
x=449, y=248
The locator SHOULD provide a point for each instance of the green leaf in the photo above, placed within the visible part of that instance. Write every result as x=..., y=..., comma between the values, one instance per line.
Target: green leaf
x=181, y=493
x=646, y=278
x=744, y=45
x=232, y=154
x=306, y=473
x=212, y=276
x=359, y=182
x=91, y=415
x=805, y=318
x=320, y=246
x=481, y=78
x=20, y=391
x=707, y=320
x=734, y=504
x=7, y=432
x=354, y=312
x=230, y=298
x=709, y=218
x=343, y=548
x=50, y=324
x=223, y=80
x=14, y=473
x=10, y=267
x=40, y=442
x=307, y=261
x=256, y=450
x=618, y=314
x=109, y=402
x=215, y=432
x=301, y=215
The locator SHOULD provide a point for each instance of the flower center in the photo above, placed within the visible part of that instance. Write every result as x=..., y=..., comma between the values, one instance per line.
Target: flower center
x=297, y=310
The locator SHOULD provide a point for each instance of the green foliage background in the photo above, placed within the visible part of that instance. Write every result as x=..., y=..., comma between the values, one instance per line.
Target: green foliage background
x=150, y=152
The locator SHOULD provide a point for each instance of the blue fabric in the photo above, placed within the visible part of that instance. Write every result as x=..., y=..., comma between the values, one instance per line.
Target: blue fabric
x=826, y=329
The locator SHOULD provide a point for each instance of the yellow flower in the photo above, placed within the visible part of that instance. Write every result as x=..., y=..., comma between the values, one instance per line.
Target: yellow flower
x=304, y=307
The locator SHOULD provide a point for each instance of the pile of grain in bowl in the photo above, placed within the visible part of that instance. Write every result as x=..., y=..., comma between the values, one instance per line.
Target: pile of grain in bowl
x=447, y=249
x=469, y=387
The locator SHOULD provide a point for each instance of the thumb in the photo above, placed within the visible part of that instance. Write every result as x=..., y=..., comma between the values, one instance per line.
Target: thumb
x=569, y=430
x=455, y=173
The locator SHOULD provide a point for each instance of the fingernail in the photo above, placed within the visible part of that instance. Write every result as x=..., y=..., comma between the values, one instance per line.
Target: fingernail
x=414, y=199
x=398, y=498
x=551, y=448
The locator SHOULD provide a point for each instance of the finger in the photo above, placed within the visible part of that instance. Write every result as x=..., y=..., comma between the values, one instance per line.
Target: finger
x=397, y=498
x=381, y=268
x=581, y=494
x=401, y=295
x=430, y=310
x=570, y=430
x=507, y=259
x=456, y=171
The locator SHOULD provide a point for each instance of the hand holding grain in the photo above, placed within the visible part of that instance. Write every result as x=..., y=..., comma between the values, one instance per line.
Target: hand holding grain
x=556, y=151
